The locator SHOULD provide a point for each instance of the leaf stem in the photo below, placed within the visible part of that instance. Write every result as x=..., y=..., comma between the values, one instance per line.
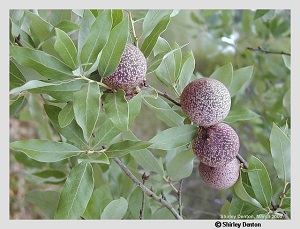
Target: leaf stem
x=147, y=191
x=165, y=95
x=135, y=38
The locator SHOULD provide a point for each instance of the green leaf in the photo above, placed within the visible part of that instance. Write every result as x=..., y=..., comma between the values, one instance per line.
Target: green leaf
x=26, y=38
x=162, y=213
x=224, y=74
x=280, y=146
x=241, y=78
x=85, y=23
x=116, y=209
x=101, y=197
x=286, y=102
x=67, y=26
x=117, y=109
x=152, y=18
x=46, y=201
x=65, y=47
x=16, y=78
x=94, y=157
x=181, y=166
x=107, y=132
x=122, y=148
x=87, y=107
x=241, y=192
x=166, y=72
x=260, y=13
x=117, y=16
x=151, y=40
x=43, y=63
x=66, y=115
x=260, y=181
x=164, y=112
x=76, y=192
x=51, y=176
x=240, y=115
x=62, y=90
x=134, y=106
x=174, y=137
x=113, y=50
x=71, y=132
x=17, y=106
x=187, y=69
x=45, y=150
x=239, y=208
x=39, y=26
x=96, y=40
x=287, y=61
x=56, y=16
x=144, y=157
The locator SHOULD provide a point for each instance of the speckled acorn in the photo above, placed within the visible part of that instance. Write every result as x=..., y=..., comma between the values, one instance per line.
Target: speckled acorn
x=205, y=101
x=131, y=71
x=216, y=145
x=222, y=177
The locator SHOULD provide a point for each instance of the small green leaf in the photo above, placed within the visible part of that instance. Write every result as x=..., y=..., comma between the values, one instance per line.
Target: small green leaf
x=117, y=16
x=224, y=74
x=151, y=40
x=117, y=109
x=286, y=102
x=43, y=63
x=87, y=106
x=116, y=209
x=181, y=166
x=67, y=26
x=16, y=78
x=76, y=192
x=174, y=137
x=152, y=18
x=287, y=61
x=46, y=201
x=187, y=69
x=66, y=115
x=17, y=106
x=71, y=132
x=95, y=157
x=260, y=181
x=280, y=146
x=106, y=132
x=241, y=192
x=164, y=112
x=122, y=148
x=45, y=150
x=50, y=173
x=240, y=115
x=260, y=13
x=241, y=78
x=101, y=197
x=113, y=50
x=96, y=39
x=39, y=26
x=65, y=47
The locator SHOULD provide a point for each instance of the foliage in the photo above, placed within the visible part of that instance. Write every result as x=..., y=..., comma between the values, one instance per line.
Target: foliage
x=58, y=59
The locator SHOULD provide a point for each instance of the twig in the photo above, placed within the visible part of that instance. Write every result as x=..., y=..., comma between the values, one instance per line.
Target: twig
x=164, y=94
x=135, y=38
x=145, y=178
x=267, y=51
x=170, y=183
x=146, y=190
x=179, y=197
x=242, y=160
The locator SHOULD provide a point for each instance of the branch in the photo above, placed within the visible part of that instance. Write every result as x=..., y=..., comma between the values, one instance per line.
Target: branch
x=179, y=197
x=243, y=161
x=267, y=51
x=145, y=178
x=17, y=40
x=164, y=94
x=146, y=190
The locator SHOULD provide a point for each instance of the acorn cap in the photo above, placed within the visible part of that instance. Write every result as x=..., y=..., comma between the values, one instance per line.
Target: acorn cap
x=222, y=177
x=130, y=72
x=206, y=101
x=216, y=145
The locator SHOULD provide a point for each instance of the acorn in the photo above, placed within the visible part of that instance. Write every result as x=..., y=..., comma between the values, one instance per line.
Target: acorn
x=205, y=101
x=216, y=145
x=222, y=177
x=131, y=71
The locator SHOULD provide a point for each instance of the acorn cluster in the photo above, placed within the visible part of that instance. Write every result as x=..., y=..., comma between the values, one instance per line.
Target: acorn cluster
x=130, y=73
x=206, y=102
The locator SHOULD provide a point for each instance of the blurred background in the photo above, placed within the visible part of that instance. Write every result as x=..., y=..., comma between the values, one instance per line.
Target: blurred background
x=216, y=37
